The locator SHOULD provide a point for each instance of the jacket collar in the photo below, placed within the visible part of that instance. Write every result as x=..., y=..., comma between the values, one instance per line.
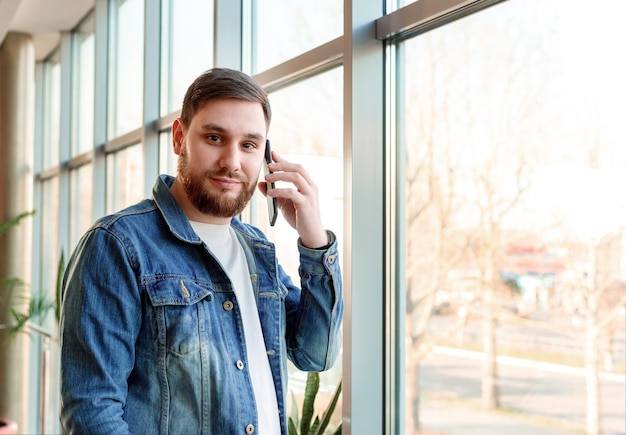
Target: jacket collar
x=172, y=212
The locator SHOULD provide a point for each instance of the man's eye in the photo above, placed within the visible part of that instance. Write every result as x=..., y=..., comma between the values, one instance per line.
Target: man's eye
x=249, y=146
x=213, y=138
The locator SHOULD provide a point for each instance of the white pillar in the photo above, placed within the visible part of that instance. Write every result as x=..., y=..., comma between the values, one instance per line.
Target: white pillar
x=17, y=101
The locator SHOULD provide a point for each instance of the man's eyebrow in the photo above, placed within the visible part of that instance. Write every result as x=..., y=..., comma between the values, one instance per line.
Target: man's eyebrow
x=212, y=127
x=254, y=136
x=216, y=127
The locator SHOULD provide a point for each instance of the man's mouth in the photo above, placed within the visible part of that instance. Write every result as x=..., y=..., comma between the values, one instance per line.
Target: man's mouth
x=225, y=182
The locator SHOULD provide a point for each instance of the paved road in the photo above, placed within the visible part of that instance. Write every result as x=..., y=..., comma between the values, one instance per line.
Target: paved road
x=541, y=399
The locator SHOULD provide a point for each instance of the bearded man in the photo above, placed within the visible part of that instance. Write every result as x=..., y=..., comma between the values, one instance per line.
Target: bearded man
x=177, y=317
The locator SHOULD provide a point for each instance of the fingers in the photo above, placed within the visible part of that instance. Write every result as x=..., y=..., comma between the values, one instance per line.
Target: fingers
x=292, y=173
x=298, y=200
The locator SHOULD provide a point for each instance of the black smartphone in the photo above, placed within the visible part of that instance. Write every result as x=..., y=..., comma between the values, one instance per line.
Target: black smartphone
x=272, y=203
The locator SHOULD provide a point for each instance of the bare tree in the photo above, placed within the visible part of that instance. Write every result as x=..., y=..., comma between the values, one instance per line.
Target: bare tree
x=429, y=232
x=433, y=246
x=603, y=294
x=467, y=168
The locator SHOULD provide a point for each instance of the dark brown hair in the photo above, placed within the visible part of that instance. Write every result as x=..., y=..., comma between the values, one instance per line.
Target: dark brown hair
x=223, y=83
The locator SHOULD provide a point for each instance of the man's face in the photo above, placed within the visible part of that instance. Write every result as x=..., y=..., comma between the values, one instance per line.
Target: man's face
x=220, y=155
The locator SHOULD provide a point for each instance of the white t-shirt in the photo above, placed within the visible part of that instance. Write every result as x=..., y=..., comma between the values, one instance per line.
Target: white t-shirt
x=224, y=244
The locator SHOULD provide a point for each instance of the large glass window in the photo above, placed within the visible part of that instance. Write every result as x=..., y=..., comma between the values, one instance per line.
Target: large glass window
x=313, y=138
x=297, y=135
x=511, y=153
x=49, y=256
x=83, y=62
x=126, y=60
x=284, y=29
x=513, y=147
x=81, y=205
x=167, y=159
x=44, y=355
x=50, y=251
x=124, y=178
x=83, y=109
x=186, y=48
x=52, y=113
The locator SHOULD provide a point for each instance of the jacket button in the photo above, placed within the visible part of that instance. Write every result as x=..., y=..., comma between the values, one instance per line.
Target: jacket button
x=227, y=305
x=250, y=429
x=239, y=364
x=332, y=258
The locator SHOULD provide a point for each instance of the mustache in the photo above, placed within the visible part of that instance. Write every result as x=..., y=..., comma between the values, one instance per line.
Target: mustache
x=225, y=173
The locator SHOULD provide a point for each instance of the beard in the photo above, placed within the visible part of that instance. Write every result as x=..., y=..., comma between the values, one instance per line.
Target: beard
x=213, y=202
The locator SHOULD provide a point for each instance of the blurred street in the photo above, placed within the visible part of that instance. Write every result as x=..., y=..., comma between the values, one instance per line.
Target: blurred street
x=536, y=398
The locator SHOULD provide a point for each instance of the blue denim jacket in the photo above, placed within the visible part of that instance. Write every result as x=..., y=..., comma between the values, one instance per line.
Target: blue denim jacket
x=152, y=336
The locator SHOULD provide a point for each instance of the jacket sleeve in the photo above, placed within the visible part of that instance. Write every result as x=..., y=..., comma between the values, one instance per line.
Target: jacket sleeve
x=100, y=320
x=315, y=312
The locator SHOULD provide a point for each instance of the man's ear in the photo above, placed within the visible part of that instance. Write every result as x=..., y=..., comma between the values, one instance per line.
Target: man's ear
x=178, y=135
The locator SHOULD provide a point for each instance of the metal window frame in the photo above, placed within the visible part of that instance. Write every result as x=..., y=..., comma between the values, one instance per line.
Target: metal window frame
x=409, y=21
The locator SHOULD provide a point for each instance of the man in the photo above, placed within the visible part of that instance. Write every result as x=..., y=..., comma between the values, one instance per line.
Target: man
x=177, y=317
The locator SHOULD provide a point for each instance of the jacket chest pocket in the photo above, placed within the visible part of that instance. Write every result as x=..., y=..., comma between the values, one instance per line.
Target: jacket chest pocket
x=177, y=311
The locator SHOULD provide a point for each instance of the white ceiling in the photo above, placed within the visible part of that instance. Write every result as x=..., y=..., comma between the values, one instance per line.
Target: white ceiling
x=44, y=19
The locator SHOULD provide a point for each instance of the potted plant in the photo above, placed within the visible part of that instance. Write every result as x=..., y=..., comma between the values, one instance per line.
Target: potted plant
x=37, y=307
x=8, y=287
x=14, y=320
x=307, y=423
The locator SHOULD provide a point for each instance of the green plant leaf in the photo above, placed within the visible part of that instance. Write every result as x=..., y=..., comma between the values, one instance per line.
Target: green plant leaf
x=59, y=287
x=292, y=429
x=295, y=415
x=8, y=224
x=338, y=430
x=38, y=308
x=314, y=426
x=329, y=411
x=310, y=392
x=9, y=286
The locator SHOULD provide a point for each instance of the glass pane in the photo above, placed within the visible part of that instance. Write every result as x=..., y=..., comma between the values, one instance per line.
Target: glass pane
x=124, y=178
x=126, y=66
x=187, y=48
x=284, y=29
x=167, y=159
x=81, y=202
x=52, y=112
x=296, y=134
x=401, y=3
x=49, y=256
x=49, y=234
x=515, y=261
x=83, y=84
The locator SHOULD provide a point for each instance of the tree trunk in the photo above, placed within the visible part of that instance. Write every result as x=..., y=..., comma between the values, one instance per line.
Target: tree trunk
x=489, y=396
x=593, y=379
x=412, y=389
x=489, y=387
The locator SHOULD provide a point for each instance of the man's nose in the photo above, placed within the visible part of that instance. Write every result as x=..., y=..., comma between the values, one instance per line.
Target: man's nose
x=230, y=157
